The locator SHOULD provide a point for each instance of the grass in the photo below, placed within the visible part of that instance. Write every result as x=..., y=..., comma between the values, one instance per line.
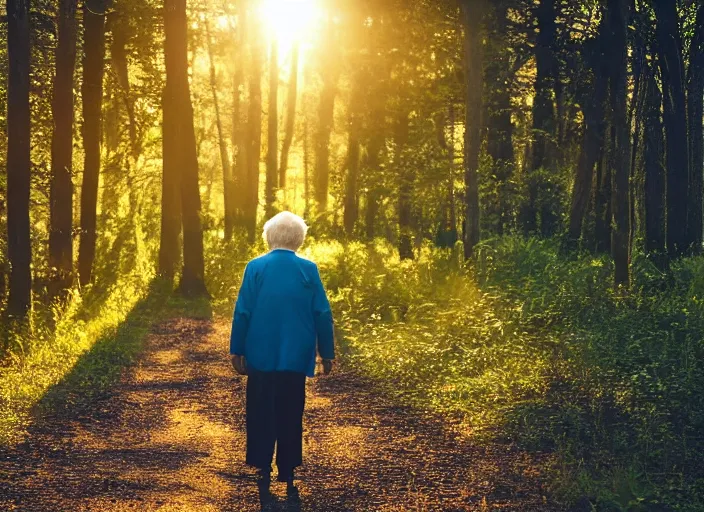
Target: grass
x=535, y=349
x=107, y=328
x=526, y=347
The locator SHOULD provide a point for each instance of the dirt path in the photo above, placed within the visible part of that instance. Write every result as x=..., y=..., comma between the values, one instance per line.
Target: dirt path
x=170, y=437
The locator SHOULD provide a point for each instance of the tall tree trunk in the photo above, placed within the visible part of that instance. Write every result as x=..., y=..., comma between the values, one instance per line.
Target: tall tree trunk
x=18, y=159
x=473, y=14
x=184, y=144
x=592, y=142
x=351, y=201
x=173, y=151
x=237, y=191
x=620, y=162
x=292, y=94
x=447, y=231
x=254, y=133
x=602, y=200
x=372, y=166
x=224, y=155
x=452, y=212
x=272, y=151
x=635, y=120
x=118, y=24
x=405, y=173
x=500, y=126
x=326, y=109
x=653, y=151
x=92, y=91
x=544, y=124
x=61, y=188
x=675, y=116
x=695, y=113
x=306, y=169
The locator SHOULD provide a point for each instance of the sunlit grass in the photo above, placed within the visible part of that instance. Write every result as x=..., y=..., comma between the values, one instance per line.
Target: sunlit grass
x=49, y=357
x=524, y=346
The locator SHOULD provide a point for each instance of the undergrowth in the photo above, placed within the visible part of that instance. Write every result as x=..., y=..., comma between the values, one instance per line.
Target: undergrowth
x=536, y=349
x=526, y=346
x=92, y=323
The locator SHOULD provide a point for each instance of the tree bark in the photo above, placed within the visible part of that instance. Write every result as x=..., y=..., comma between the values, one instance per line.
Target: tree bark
x=292, y=94
x=118, y=24
x=272, y=150
x=655, y=180
x=695, y=114
x=602, y=200
x=351, y=201
x=675, y=117
x=240, y=141
x=451, y=211
x=544, y=124
x=405, y=173
x=224, y=154
x=184, y=160
x=18, y=159
x=169, y=248
x=92, y=92
x=61, y=187
x=620, y=162
x=473, y=14
x=593, y=103
x=326, y=109
x=500, y=127
x=254, y=134
x=306, y=169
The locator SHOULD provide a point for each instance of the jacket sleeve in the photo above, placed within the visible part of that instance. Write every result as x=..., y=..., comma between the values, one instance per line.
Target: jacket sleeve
x=323, y=319
x=243, y=312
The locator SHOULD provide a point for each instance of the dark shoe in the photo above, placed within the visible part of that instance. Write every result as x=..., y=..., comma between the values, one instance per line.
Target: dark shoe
x=291, y=490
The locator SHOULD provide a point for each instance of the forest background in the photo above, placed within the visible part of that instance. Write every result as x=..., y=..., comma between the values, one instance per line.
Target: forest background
x=505, y=198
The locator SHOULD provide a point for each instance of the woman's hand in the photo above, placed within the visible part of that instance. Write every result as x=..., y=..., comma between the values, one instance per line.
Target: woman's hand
x=327, y=366
x=239, y=363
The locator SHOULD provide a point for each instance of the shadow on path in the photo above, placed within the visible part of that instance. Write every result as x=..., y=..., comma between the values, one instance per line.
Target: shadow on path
x=169, y=436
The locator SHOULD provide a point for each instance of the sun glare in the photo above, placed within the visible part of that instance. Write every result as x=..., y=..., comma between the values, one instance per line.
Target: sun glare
x=290, y=21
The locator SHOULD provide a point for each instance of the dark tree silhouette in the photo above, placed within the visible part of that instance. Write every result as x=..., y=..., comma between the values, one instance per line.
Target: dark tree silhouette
x=291, y=97
x=670, y=58
x=18, y=158
x=654, y=170
x=618, y=16
x=236, y=188
x=544, y=123
x=92, y=92
x=592, y=97
x=695, y=114
x=472, y=15
x=405, y=174
x=183, y=160
x=351, y=200
x=272, y=148
x=326, y=110
x=254, y=133
x=61, y=188
x=499, y=132
x=224, y=155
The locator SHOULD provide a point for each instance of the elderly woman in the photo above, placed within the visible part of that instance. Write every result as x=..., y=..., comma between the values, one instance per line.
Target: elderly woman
x=282, y=318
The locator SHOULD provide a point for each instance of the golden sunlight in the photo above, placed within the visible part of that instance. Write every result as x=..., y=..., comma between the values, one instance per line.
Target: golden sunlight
x=290, y=21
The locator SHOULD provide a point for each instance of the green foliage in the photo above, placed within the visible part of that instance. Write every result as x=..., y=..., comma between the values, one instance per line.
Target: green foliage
x=94, y=336
x=623, y=404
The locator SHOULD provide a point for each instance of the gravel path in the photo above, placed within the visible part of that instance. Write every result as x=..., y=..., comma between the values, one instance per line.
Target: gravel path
x=170, y=437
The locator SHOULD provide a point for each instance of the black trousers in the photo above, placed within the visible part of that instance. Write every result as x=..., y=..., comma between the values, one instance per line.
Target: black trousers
x=275, y=402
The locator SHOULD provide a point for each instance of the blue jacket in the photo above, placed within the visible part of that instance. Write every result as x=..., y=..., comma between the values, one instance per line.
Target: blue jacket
x=281, y=312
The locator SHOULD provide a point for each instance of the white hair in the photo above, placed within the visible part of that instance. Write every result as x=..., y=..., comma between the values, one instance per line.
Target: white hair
x=285, y=230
